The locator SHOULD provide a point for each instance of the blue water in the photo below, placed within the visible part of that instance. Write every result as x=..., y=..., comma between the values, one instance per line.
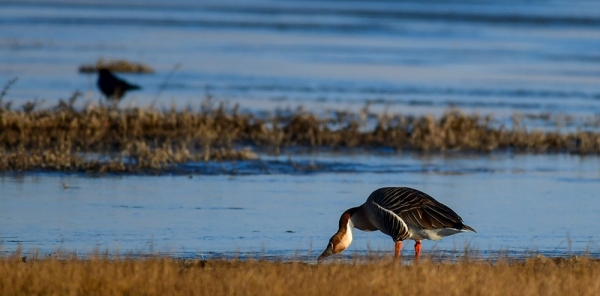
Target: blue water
x=413, y=57
x=519, y=204
x=421, y=57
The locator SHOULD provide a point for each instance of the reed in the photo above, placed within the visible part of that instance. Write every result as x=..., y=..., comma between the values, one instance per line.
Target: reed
x=164, y=276
x=64, y=137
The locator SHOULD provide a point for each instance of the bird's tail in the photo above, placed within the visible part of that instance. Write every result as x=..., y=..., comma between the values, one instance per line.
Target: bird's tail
x=133, y=87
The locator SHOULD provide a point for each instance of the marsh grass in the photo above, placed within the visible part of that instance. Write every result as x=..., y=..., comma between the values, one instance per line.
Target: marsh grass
x=100, y=275
x=122, y=66
x=65, y=138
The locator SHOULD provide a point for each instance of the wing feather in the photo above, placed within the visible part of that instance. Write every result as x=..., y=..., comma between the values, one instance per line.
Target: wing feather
x=415, y=208
x=389, y=223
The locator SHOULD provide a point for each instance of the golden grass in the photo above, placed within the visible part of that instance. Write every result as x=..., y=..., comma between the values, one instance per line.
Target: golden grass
x=163, y=276
x=63, y=137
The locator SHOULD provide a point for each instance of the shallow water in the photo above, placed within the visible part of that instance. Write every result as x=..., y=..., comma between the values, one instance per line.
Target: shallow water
x=518, y=203
x=494, y=56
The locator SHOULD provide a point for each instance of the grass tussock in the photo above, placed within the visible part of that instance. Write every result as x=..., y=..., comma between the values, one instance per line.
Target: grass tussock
x=122, y=66
x=162, y=276
x=64, y=137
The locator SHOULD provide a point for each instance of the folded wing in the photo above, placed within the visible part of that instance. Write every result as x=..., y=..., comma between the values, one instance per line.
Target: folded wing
x=415, y=208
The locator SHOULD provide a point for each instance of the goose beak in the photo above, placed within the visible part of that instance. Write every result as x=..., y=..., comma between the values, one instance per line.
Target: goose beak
x=328, y=252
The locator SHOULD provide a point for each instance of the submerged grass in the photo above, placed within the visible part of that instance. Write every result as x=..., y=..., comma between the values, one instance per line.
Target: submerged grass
x=99, y=138
x=164, y=276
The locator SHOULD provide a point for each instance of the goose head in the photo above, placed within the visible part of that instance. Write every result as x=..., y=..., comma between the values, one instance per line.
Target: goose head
x=339, y=241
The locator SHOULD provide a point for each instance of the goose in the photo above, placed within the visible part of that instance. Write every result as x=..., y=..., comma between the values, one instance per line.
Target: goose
x=400, y=212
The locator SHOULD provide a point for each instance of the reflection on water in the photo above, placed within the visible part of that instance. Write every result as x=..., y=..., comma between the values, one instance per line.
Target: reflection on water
x=517, y=203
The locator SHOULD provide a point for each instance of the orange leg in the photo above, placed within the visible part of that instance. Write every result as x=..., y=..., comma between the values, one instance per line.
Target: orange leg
x=417, y=250
x=398, y=248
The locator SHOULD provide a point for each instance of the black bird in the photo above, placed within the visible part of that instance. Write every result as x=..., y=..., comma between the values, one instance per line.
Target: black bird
x=113, y=87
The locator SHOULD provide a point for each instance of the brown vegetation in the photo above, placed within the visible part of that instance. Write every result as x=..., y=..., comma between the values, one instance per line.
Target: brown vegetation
x=116, y=66
x=98, y=138
x=163, y=276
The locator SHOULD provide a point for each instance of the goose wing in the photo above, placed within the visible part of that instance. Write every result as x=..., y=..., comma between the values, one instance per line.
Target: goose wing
x=388, y=222
x=415, y=208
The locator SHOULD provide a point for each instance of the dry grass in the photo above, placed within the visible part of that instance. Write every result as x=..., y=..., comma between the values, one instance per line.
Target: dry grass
x=116, y=66
x=163, y=276
x=63, y=137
